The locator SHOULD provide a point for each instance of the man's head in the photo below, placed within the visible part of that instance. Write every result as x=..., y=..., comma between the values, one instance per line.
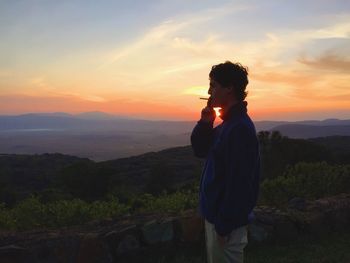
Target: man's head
x=228, y=82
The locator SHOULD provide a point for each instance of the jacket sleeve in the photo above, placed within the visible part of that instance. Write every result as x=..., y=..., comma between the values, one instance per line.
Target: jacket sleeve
x=201, y=138
x=238, y=197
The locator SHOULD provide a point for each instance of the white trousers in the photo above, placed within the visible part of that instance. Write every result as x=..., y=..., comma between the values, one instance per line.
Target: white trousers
x=232, y=252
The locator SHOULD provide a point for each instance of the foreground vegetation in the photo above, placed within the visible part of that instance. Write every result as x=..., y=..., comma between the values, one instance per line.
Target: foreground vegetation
x=51, y=191
x=303, y=180
x=54, y=190
x=32, y=213
x=306, y=180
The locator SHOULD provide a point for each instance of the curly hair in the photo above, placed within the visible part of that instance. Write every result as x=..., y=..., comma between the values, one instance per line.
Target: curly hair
x=231, y=74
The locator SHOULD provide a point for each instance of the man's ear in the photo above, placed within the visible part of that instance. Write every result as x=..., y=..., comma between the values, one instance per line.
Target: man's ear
x=231, y=89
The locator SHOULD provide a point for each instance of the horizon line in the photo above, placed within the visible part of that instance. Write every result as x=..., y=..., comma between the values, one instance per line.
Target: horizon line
x=160, y=119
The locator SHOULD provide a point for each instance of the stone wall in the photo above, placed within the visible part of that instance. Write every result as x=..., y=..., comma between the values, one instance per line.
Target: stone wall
x=136, y=238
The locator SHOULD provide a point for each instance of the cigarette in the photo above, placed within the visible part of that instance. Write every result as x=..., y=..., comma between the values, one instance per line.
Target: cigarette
x=204, y=98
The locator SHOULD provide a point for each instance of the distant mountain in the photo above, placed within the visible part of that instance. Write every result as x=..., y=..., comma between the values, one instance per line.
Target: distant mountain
x=103, y=121
x=312, y=131
x=88, y=122
x=98, y=115
x=48, y=114
x=267, y=125
x=39, y=121
x=271, y=125
x=326, y=122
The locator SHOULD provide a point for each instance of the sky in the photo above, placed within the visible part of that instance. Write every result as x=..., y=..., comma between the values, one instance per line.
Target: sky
x=151, y=59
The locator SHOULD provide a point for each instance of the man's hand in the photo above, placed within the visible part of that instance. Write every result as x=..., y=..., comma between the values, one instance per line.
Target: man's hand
x=222, y=240
x=208, y=113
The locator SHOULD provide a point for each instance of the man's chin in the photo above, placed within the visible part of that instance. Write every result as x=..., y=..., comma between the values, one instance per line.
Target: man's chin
x=215, y=105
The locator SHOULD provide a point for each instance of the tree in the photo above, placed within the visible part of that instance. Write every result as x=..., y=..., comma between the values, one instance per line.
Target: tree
x=158, y=180
x=86, y=180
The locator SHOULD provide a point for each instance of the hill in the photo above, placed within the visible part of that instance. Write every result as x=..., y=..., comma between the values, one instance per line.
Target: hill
x=57, y=175
x=99, y=136
x=312, y=131
x=61, y=176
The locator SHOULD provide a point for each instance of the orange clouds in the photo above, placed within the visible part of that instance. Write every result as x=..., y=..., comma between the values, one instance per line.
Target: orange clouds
x=319, y=84
x=17, y=104
x=151, y=110
x=290, y=78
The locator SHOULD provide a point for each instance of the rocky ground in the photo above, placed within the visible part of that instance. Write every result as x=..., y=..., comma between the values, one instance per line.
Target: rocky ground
x=143, y=238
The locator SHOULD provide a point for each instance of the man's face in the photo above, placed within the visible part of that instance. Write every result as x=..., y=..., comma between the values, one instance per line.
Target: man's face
x=218, y=94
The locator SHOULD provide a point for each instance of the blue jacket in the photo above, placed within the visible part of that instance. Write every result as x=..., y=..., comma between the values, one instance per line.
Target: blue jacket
x=230, y=178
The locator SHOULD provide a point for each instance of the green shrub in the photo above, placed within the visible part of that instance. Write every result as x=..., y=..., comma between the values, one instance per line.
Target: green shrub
x=31, y=213
x=175, y=202
x=110, y=209
x=28, y=214
x=306, y=180
x=67, y=212
x=6, y=219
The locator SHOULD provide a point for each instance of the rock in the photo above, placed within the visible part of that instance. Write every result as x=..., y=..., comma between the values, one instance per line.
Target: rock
x=336, y=210
x=297, y=203
x=128, y=243
x=132, y=239
x=272, y=223
x=123, y=241
x=189, y=229
x=259, y=233
x=14, y=254
x=93, y=249
x=154, y=231
x=57, y=249
x=265, y=218
x=12, y=249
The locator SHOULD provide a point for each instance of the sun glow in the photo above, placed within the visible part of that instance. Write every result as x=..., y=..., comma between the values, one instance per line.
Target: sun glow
x=217, y=111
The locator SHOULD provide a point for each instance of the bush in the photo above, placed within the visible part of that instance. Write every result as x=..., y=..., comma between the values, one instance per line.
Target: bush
x=31, y=213
x=176, y=202
x=306, y=180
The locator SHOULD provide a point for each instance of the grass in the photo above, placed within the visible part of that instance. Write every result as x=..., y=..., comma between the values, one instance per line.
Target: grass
x=333, y=248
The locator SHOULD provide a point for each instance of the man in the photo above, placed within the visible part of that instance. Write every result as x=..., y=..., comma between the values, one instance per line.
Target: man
x=230, y=179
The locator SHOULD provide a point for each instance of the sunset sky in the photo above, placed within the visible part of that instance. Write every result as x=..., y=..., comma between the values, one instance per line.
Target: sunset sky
x=151, y=59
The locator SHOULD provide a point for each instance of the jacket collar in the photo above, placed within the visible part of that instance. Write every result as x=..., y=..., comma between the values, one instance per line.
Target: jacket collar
x=235, y=110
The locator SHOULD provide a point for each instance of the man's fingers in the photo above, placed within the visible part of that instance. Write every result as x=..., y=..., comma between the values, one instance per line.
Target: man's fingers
x=208, y=114
x=208, y=110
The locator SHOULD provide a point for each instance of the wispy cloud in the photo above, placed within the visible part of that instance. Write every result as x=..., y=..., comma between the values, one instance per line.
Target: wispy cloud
x=169, y=49
x=198, y=91
x=328, y=61
x=186, y=67
x=42, y=86
x=166, y=34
